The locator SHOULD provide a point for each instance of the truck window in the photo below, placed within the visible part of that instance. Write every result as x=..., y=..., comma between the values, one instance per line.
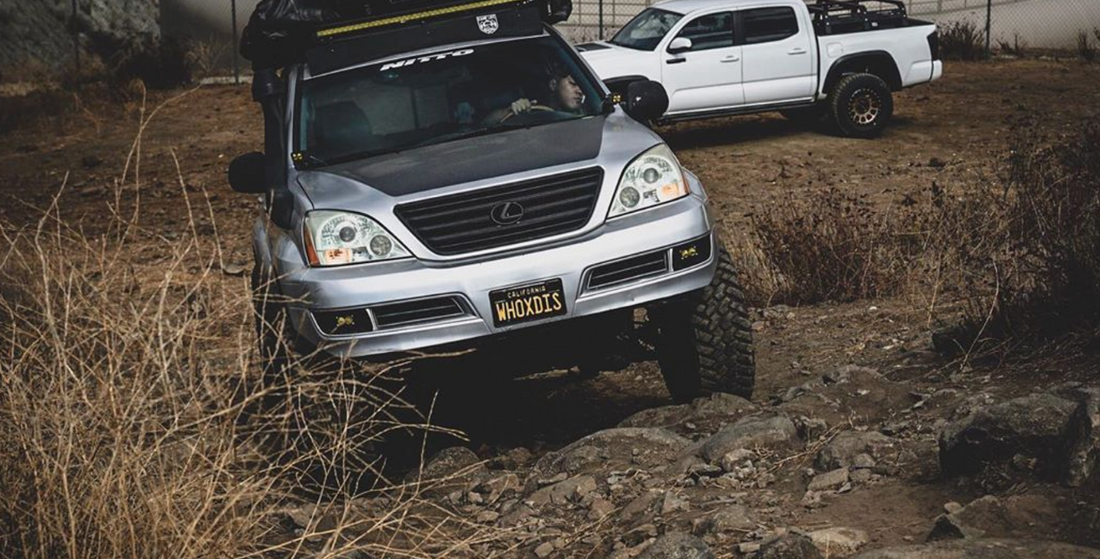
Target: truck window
x=428, y=99
x=764, y=25
x=712, y=31
x=646, y=30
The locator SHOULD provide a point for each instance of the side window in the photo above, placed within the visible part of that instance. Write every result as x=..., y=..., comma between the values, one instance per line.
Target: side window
x=712, y=31
x=764, y=25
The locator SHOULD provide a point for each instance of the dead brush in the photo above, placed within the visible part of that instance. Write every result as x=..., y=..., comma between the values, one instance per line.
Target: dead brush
x=134, y=423
x=962, y=40
x=830, y=247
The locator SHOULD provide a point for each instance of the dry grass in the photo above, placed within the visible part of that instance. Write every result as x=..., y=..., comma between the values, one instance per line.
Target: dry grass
x=962, y=40
x=133, y=424
x=1021, y=251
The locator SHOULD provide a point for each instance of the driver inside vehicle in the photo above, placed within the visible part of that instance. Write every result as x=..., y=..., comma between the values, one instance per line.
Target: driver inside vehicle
x=559, y=92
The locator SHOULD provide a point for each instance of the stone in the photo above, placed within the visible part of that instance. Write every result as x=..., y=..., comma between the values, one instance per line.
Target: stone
x=563, y=492
x=1084, y=438
x=984, y=549
x=453, y=462
x=600, y=508
x=702, y=412
x=838, y=542
x=544, y=549
x=737, y=459
x=677, y=545
x=995, y=517
x=861, y=475
x=501, y=486
x=847, y=447
x=752, y=432
x=672, y=503
x=1032, y=426
x=615, y=449
x=829, y=481
x=791, y=545
x=734, y=518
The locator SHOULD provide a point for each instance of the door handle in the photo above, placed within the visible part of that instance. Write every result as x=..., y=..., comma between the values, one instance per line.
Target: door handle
x=796, y=51
x=731, y=59
x=675, y=60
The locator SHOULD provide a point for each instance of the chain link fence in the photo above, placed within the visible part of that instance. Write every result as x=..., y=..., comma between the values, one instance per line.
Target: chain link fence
x=211, y=27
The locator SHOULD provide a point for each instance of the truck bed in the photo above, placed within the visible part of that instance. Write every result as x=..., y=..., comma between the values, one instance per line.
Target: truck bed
x=837, y=17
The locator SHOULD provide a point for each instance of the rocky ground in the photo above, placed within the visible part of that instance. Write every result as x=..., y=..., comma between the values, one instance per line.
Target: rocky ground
x=860, y=440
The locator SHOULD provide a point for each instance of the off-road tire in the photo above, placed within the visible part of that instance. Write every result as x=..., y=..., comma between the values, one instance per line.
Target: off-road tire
x=704, y=341
x=805, y=116
x=861, y=105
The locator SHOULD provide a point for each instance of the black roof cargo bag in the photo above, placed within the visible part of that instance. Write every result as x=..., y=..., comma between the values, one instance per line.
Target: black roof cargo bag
x=280, y=31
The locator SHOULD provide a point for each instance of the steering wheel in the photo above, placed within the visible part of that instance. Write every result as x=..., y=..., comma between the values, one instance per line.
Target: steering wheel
x=542, y=108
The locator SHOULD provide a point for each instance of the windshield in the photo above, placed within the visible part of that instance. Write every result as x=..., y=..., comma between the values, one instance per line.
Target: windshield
x=646, y=30
x=440, y=97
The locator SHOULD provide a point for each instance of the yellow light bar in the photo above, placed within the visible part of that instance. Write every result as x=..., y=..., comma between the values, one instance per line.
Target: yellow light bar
x=409, y=17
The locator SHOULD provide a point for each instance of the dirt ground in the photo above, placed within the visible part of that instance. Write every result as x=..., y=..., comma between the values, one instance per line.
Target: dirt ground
x=953, y=133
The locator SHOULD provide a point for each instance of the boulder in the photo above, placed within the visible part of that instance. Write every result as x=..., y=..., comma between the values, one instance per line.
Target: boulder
x=838, y=542
x=990, y=516
x=677, y=545
x=791, y=545
x=703, y=413
x=829, y=481
x=615, y=449
x=1084, y=438
x=845, y=449
x=729, y=519
x=984, y=549
x=456, y=463
x=1034, y=426
x=776, y=431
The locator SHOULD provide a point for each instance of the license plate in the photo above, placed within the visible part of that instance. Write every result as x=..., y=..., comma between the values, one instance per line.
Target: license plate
x=517, y=305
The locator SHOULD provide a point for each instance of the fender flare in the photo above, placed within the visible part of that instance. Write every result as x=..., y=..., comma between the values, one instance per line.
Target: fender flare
x=879, y=63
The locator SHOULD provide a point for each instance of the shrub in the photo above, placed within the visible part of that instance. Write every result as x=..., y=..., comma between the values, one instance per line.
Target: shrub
x=1085, y=49
x=133, y=422
x=1016, y=48
x=833, y=246
x=962, y=40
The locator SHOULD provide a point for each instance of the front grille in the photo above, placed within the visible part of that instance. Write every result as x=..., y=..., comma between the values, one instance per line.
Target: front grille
x=464, y=222
x=416, y=312
x=638, y=267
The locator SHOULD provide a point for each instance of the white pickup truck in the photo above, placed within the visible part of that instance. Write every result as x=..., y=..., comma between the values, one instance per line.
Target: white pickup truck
x=836, y=59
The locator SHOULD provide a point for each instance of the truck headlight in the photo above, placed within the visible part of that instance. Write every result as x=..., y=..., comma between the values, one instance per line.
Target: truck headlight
x=653, y=178
x=337, y=238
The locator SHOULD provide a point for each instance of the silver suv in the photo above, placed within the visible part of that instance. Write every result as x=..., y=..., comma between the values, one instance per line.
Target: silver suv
x=469, y=191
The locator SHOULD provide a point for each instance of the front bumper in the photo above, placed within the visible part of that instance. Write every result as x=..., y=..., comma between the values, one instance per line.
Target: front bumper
x=470, y=282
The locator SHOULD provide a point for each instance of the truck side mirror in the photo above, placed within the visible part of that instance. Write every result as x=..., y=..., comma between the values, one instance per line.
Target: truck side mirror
x=646, y=100
x=246, y=173
x=678, y=45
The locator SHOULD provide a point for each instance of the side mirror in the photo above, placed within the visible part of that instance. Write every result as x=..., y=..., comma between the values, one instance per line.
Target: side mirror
x=678, y=45
x=246, y=173
x=646, y=100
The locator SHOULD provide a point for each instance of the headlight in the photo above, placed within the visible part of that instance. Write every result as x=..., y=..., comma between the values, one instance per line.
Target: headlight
x=336, y=238
x=653, y=178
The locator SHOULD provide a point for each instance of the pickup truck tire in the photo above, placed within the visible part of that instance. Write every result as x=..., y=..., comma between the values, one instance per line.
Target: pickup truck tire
x=861, y=105
x=704, y=342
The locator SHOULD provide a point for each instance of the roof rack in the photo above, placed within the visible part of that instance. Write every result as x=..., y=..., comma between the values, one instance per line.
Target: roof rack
x=834, y=17
x=281, y=32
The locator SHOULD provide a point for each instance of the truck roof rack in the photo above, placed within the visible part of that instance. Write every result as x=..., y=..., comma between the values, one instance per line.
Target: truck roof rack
x=282, y=32
x=835, y=17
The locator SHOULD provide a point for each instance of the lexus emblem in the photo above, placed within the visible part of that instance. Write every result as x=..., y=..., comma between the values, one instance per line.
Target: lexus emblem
x=506, y=213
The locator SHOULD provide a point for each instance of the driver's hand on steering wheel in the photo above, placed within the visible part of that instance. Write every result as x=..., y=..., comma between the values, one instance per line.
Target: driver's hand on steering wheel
x=521, y=106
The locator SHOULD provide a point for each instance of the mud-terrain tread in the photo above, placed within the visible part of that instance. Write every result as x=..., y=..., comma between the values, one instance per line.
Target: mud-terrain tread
x=839, y=97
x=719, y=333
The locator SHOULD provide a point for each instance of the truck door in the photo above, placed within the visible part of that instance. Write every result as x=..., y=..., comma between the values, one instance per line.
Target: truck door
x=709, y=75
x=778, y=61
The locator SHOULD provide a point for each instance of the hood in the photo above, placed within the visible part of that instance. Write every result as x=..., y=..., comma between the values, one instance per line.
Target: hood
x=610, y=141
x=612, y=61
